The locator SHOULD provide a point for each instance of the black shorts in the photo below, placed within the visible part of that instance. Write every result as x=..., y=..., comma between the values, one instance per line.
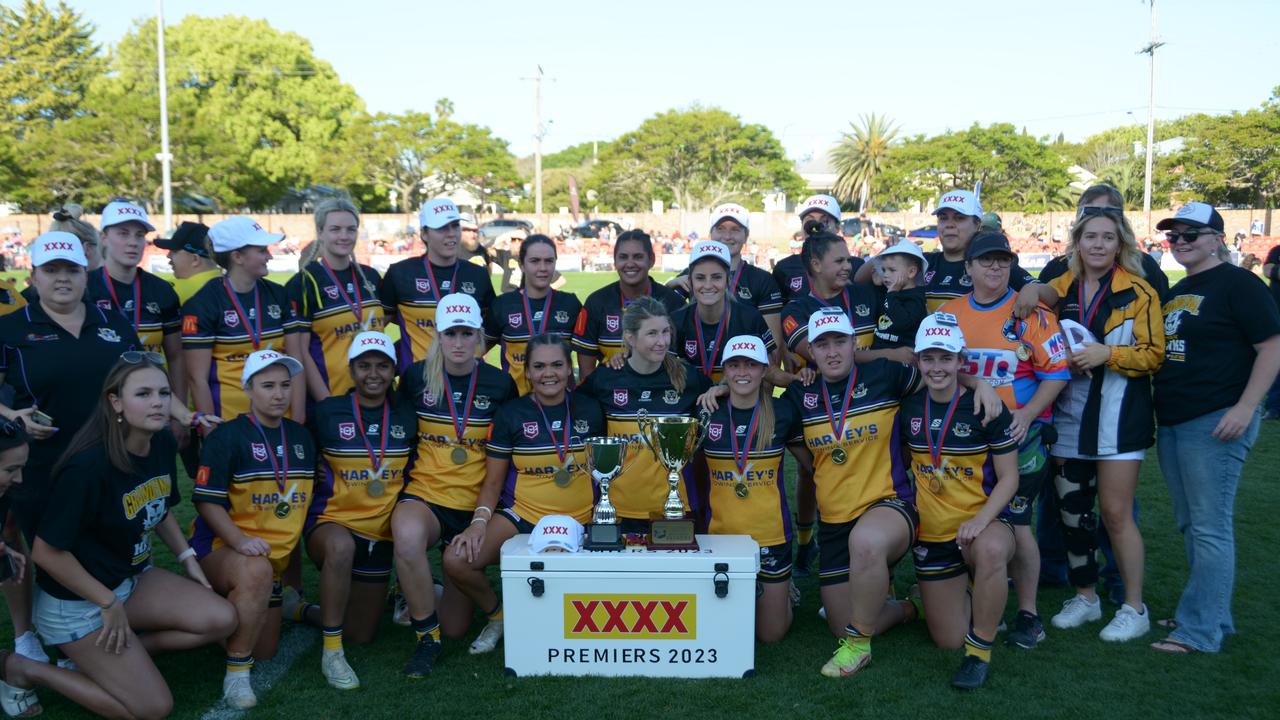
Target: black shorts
x=452, y=521
x=371, y=562
x=942, y=560
x=833, y=541
x=775, y=563
x=522, y=526
x=277, y=594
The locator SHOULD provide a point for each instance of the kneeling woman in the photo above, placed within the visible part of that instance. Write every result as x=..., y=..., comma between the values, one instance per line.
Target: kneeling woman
x=535, y=467
x=252, y=492
x=745, y=439
x=116, y=482
x=365, y=441
x=455, y=396
x=966, y=474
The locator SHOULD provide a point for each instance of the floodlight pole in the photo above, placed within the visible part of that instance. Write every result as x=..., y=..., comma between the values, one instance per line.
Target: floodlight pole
x=537, y=146
x=1150, y=52
x=164, y=156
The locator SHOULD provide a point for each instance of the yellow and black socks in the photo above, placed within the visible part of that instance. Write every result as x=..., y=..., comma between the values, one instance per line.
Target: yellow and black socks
x=495, y=615
x=332, y=638
x=239, y=664
x=427, y=626
x=977, y=647
x=857, y=639
x=804, y=533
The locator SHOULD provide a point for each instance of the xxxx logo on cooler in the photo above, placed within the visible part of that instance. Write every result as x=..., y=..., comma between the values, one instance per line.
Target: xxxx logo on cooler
x=624, y=617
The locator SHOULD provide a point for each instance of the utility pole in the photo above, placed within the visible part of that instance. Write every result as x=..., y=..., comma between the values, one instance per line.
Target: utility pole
x=164, y=156
x=537, y=146
x=1150, y=52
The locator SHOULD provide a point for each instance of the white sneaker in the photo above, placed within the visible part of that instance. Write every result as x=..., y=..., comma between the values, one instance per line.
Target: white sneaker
x=400, y=613
x=28, y=646
x=1128, y=624
x=1077, y=611
x=333, y=663
x=488, y=638
x=822, y=612
x=67, y=664
x=237, y=691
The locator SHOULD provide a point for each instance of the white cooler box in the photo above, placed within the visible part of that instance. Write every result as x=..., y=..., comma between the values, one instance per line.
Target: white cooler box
x=668, y=613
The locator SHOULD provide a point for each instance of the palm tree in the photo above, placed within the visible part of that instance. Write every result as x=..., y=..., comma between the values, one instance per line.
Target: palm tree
x=860, y=157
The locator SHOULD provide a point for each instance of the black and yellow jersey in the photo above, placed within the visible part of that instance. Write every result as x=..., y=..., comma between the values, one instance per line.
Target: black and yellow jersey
x=447, y=472
x=10, y=297
x=233, y=325
x=703, y=345
x=188, y=287
x=364, y=453
x=508, y=324
x=861, y=462
x=641, y=489
x=411, y=289
x=859, y=302
x=952, y=490
x=748, y=495
x=598, y=331
x=333, y=306
x=263, y=477
x=149, y=303
x=548, y=473
x=750, y=285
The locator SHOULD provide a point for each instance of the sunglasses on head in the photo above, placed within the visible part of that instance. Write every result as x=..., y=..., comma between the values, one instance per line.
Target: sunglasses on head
x=133, y=357
x=1187, y=236
x=1091, y=211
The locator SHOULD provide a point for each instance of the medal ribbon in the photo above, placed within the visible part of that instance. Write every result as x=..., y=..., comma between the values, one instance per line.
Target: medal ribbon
x=1087, y=319
x=562, y=449
x=823, y=302
x=709, y=364
x=377, y=460
x=838, y=429
x=255, y=337
x=746, y=443
x=471, y=394
x=935, y=448
x=357, y=307
x=435, y=288
x=528, y=314
x=622, y=299
x=281, y=478
x=137, y=296
x=737, y=275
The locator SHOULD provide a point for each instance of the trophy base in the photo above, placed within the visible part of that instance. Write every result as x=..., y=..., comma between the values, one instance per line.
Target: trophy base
x=603, y=538
x=665, y=534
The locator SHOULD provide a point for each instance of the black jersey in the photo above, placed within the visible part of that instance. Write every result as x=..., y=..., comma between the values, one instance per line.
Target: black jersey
x=509, y=324
x=149, y=303
x=859, y=302
x=413, y=287
x=703, y=344
x=901, y=313
x=598, y=331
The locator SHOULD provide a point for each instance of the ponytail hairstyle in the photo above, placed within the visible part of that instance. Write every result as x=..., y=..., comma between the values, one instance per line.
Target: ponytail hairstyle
x=765, y=421
x=552, y=340
x=103, y=427
x=12, y=434
x=816, y=245
x=637, y=312
x=323, y=208
x=67, y=219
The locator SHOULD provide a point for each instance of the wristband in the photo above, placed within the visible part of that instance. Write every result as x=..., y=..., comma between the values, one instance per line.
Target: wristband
x=484, y=508
x=188, y=553
x=479, y=520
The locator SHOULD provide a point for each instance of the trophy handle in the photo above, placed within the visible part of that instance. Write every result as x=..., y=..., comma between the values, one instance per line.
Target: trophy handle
x=704, y=426
x=646, y=427
x=626, y=458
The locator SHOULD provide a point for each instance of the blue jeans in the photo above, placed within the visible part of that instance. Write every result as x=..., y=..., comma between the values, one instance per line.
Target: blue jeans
x=1203, y=474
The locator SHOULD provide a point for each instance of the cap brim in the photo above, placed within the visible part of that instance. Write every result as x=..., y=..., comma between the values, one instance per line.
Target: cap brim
x=143, y=223
x=726, y=216
x=451, y=221
x=1168, y=223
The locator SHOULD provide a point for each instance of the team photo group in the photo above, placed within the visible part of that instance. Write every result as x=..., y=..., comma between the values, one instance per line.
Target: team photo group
x=947, y=414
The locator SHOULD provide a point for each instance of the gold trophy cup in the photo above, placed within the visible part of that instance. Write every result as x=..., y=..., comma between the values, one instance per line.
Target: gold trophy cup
x=673, y=440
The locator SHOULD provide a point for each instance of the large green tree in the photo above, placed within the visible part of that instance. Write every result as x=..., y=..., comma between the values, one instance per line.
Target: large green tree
x=694, y=158
x=860, y=156
x=1231, y=159
x=47, y=61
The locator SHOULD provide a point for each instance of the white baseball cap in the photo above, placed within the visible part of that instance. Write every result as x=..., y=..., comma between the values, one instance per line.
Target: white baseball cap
x=964, y=202
x=371, y=341
x=121, y=212
x=710, y=249
x=437, y=213
x=1195, y=214
x=240, y=231
x=468, y=221
x=457, y=310
x=941, y=331
x=828, y=320
x=906, y=247
x=825, y=203
x=734, y=212
x=556, y=533
x=746, y=346
x=57, y=245
x=263, y=359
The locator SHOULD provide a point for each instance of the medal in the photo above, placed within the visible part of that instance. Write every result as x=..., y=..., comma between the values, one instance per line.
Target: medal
x=562, y=478
x=1023, y=353
x=459, y=454
x=838, y=455
x=935, y=444
x=283, y=507
x=741, y=490
x=375, y=488
x=740, y=459
x=935, y=484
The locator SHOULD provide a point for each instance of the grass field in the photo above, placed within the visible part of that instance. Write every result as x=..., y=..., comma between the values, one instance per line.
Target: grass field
x=1073, y=674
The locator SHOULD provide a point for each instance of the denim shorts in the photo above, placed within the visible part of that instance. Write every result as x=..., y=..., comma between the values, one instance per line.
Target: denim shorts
x=65, y=621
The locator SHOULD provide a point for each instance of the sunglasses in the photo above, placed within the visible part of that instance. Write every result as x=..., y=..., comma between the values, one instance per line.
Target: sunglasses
x=1000, y=261
x=133, y=357
x=1092, y=211
x=12, y=428
x=1187, y=236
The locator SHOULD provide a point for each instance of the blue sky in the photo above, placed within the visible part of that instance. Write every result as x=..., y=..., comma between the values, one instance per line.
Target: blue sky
x=803, y=69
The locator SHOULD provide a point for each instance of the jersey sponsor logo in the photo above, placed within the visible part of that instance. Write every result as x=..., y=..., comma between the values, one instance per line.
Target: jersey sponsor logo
x=789, y=325
x=562, y=316
x=482, y=402
x=618, y=617
x=715, y=431
x=259, y=451
x=422, y=285
x=202, y=476
x=514, y=319
x=916, y=424
x=273, y=311
x=32, y=337
x=581, y=426
x=469, y=287
x=670, y=397
x=811, y=400
x=1056, y=348
x=691, y=347
x=994, y=366
x=744, y=293
x=153, y=308
x=347, y=431
x=397, y=432
x=108, y=335
x=530, y=430
x=863, y=310
x=331, y=291
x=103, y=303
x=620, y=396
x=797, y=283
x=230, y=318
x=299, y=452
x=961, y=430
x=611, y=323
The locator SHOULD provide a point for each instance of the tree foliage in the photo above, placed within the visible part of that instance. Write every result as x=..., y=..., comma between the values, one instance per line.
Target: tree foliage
x=1231, y=159
x=860, y=157
x=47, y=61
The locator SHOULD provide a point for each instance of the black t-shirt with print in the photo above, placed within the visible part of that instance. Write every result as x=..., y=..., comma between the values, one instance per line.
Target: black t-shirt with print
x=104, y=516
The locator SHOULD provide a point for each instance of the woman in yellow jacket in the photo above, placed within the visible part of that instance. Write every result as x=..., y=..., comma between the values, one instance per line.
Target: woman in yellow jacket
x=1104, y=417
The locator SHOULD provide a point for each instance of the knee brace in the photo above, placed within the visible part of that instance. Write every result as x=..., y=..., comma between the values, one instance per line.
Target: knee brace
x=1075, y=483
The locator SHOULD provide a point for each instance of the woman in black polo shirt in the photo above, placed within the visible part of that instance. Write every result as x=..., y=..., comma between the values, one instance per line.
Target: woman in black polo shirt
x=1222, y=351
x=115, y=484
